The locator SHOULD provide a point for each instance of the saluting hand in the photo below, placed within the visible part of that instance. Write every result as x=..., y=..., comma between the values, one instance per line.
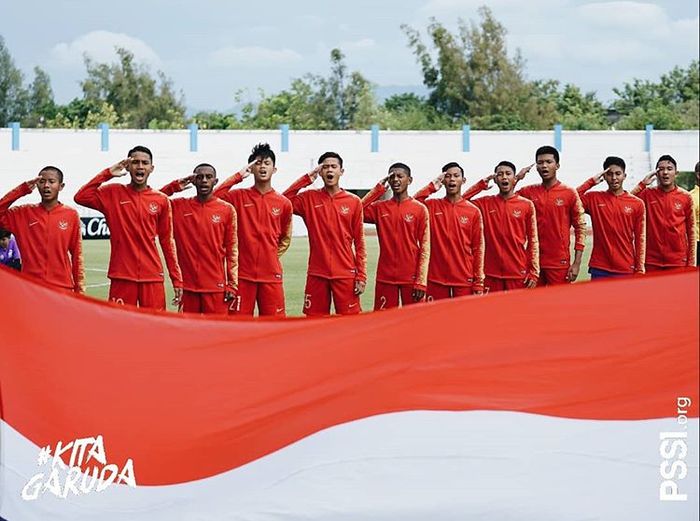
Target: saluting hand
x=523, y=172
x=314, y=173
x=119, y=169
x=31, y=184
x=437, y=182
x=599, y=177
x=246, y=170
x=488, y=180
x=649, y=178
x=186, y=182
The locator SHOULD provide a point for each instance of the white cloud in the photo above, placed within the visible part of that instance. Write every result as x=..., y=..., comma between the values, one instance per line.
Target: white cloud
x=252, y=56
x=364, y=43
x=100, y=46
x=623, y=15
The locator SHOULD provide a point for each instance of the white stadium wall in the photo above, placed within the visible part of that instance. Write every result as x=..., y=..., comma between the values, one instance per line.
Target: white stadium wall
x=78, y=153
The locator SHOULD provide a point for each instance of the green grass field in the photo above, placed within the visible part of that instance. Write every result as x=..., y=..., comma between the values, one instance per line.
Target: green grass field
x=96, y=255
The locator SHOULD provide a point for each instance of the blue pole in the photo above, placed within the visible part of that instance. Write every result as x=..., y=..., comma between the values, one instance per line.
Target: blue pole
x=284, y=129
x=193, y=136
x=375, y=138
x=15, y=135
x=466, y=145
x=104, y=145
x=557, y=137
x=649, y=129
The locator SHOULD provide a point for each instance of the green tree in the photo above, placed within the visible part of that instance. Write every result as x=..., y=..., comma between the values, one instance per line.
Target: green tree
x=138, y=99
x=569, y=106
x=671, y=103
x=41, y=105
x=13, y=96
x=473, y=78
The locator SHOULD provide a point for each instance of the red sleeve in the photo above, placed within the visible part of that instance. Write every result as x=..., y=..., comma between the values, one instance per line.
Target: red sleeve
x=231, y=244
x=292, y=193
x=167, y=244
x=369, y=210
x=475, y=189
x=226, y=185
x=89, y=194
x=478, y=251
x=171, y=188
x=690, y=231
x=358, y=232
x=285, y=238
x=578, y=222
x=581, y=190
x=425, y=192
x=637, y=190
x=7, y=219
x=76, y=255
x=640, y=240
x=423, y=231
x=533, y=245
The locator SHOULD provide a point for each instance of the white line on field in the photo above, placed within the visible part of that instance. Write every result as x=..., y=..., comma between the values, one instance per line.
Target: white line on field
x=97, y=285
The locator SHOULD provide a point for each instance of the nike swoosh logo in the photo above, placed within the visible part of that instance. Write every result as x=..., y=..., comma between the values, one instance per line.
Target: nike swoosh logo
x=247, y=205
x=352, y=305
x=186, y=214
x=35, y=222
x=279, y=310
x=492, y=211
x=124, y=202
x=318, y=205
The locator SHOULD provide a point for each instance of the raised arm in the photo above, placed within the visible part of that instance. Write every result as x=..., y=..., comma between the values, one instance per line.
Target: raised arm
x=480, y=186
x=432, y=187
x=368, y=209
x=292, y=193
x=7, y=215
x=89, y=194
x=178, y=185
x=644, y=183
x=233, y=180
x=522, y=173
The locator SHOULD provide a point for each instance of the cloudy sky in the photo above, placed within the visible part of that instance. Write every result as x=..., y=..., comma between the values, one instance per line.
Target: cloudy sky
x=212, y=48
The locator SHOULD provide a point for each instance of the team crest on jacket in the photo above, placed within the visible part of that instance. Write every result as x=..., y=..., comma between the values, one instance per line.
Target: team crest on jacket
x=345, y=210
x=63, y=225
x=153, y=207
x=677, y=205
x=276, y=211
x=559, y=201
x=517, y=213
x=216, y=218
x=463, y=219
x=628, y=209
x=408, y=217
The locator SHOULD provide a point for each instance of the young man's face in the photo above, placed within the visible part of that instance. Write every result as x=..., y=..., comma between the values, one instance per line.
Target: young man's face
x=505, y=179
x=453, y=180
x=614, y=176
x=140, y=167
x=49, y=186
x=4, y=242
x=399, y=180
x=547, y=166
x=263, y=169
x=204, y=180
x=666, y=173
x=331, y=172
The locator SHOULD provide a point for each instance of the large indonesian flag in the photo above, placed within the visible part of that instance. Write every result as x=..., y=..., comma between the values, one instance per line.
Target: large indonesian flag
x=565, y=403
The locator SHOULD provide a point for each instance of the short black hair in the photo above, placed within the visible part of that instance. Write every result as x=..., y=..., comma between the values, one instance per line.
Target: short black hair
x=4, y=233
x=666, y=157
x=201, y=165
x=547, y=149
x=614, y=160
x=326, y=155
x=453, y=164
x=141, y=148
x=55, y=169
x=263, y=151
x=505, y=163
x=401, y=165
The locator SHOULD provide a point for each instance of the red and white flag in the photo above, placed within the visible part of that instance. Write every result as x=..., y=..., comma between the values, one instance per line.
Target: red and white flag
x=568, y=403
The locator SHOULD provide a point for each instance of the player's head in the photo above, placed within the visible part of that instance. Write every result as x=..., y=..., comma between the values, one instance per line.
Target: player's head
x=453, y=178
x=505, y=176
x=50, y=183
x=264, y=159
x=614, y=172
x=204, y=179
x=140, y=166
x=666, y=170
x=4, y=238
x=399, y=178
x=547, y=161
x=331, y=168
